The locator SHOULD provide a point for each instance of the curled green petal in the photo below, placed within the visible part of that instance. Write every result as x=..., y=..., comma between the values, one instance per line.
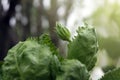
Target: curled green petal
x=84, y=46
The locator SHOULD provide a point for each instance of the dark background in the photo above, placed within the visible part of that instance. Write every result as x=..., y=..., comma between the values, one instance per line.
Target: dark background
x=26, y=18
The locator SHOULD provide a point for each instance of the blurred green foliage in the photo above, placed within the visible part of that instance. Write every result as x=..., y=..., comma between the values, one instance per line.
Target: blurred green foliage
x=107, y=22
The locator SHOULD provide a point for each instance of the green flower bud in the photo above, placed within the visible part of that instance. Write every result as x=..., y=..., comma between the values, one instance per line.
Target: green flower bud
x=62, y=32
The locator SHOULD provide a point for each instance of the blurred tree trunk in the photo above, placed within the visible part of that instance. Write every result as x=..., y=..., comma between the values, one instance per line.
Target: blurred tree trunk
x=7, y=36
x=26, y=11
x=53, y=17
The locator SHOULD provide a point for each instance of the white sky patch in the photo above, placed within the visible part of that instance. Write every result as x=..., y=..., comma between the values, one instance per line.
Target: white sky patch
x=12, y=22
x=88, y=8
x=61, y=11
x=5, y=4
x=79, y=13
x=45, y=23
x=47, y=4
x=71, y=19
x=36, y=3
x=112, y=1
x=71, y=23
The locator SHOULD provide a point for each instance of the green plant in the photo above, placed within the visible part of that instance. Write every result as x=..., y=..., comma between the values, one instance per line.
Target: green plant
x=38, y=58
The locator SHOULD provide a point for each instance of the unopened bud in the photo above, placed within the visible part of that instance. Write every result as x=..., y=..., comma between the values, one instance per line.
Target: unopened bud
x=62, y=32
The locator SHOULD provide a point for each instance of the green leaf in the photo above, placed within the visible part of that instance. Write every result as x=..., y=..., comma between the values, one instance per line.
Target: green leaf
x=112, y=75
x=72, y=70
x=27, y=61
x=84, y=46
x=62, y=32
x=45, y=39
